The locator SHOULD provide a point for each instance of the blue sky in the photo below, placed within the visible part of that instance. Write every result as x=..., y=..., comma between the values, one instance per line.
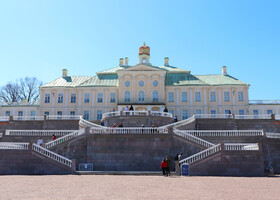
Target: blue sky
x=38, y=38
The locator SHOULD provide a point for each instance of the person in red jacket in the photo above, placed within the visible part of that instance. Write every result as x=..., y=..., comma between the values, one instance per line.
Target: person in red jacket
x=163, y=166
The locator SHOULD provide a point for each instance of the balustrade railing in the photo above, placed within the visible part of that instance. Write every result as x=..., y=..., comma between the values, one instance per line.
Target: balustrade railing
x=4, y=118
x=129, y=130
x=64, y=138
x=14, y=145
x=214, y=116
x=241, y=147
x=84, y=123
x=201, y=154
x=252, y=116
x=52, y=155
x=193, y=138
x=25, y=118
x=272, y=135
x=137, y=113
x=224, y=133
x=264, y=101
x=63, y=117
x=37, y=132
x=180, y=123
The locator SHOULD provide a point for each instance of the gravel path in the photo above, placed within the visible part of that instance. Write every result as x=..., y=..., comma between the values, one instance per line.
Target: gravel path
x=137, y=187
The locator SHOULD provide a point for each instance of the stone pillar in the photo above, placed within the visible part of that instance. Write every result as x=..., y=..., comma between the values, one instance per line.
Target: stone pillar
x=73, y=168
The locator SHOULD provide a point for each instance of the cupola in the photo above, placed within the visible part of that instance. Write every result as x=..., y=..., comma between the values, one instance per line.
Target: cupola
x=144, y=54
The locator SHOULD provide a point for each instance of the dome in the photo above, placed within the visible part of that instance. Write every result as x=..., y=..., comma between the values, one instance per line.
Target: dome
x=144, y=50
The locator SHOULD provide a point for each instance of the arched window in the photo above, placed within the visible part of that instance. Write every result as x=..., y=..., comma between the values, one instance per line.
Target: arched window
x=155, y=96
x=141, y=96
x=127, y=96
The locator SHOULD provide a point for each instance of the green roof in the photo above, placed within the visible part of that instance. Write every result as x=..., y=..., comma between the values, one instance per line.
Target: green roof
x=220, y=80
x=174, y=77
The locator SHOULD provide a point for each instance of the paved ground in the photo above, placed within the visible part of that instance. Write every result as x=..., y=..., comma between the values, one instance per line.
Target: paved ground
x=137, y=187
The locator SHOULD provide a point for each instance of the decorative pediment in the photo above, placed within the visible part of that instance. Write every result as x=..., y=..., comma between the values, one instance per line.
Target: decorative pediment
x=142, y=67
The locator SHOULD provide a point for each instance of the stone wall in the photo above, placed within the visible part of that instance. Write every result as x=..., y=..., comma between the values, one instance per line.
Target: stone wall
x=26, y=162
x=137, y=121
x=230, y=163
x=268, y=125
x=271, y=148
x=126, y=152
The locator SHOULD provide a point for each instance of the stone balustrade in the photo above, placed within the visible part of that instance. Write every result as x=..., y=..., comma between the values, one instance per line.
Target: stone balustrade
x=201, y=154
x=14, y=145
x=64, y=138
x=241, y=146
x=137, y=113
x=192, y=138
x=129, y=130
x=37, y=132
x=224, y=133
x=51, y=155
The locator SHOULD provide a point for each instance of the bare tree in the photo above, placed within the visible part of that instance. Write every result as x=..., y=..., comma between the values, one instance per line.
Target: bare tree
x=10, y=93
x=26, y=89
x=29, y=89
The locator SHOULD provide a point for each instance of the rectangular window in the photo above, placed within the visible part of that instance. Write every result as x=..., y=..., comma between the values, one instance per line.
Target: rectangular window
x=198, y=113
x=86, y=115
x=212, y=96
x=99, y=97
x=256, y=113
x=46, y=113
x=241, y=112
x=170, y=96
x=112, y=97
x=99, y=114
x=86, y=100
x=73, y=98
x=72, y=114
x=32, y=115
x=269, y=112
x=240, y=96
x=60, y=98
x=184, y=97
x=20, y=114
x=47, y=98
x=197, y=97
x=8, y=113
x=59, y=114
x=213, y=113
x=184, y=114
x=226, y=96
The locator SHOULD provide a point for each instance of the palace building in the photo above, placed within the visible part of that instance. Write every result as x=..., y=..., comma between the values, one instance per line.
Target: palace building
x=146, y=87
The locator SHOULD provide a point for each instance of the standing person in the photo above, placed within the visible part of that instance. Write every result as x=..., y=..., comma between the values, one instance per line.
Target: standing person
x=163, y=166
x=165, y=109
x=229, y=112
x=126, y=110
x=175, y=119
x=53, y=137
x=40, y=141
x=121, y=126
x=131, y=109
x=142, y=130
x=168, y=161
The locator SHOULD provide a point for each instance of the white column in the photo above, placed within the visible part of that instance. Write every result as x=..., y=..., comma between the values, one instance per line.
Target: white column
x=106, y=97
x=191, y=102
x=205, y=101
x=220, y=101
x=149, y=92
x=92, y=104
x=66, y=102
x=133, y=97
x=79, y=102
x=162, y=89
x=53, y=93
